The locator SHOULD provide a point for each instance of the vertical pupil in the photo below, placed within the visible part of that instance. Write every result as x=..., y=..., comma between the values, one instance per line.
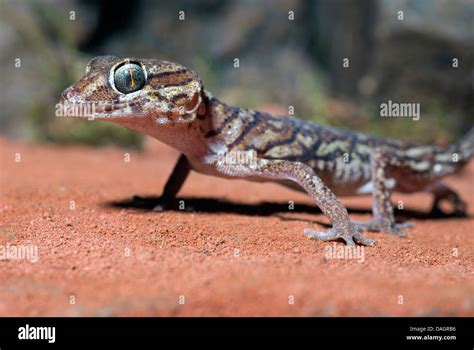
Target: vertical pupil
x=132, y=81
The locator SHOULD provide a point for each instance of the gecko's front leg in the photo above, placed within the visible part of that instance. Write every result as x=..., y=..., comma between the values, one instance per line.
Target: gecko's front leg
x=173, y=185
x=303, y=175
x=382, y=208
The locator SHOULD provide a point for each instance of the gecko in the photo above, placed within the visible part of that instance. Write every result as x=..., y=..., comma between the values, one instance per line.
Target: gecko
x=167, y=101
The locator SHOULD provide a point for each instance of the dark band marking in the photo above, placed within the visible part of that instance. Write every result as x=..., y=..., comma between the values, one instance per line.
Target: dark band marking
x=210, y=133
x=365, y=158
x=221, y=127
x=167, y=73
x=175, y=98
x=351, y=147
x=332, y=156
x=311, y=153
x=248, y=127
x=276, y=143
x=308, y=153
x=181, y=83
x=156, y=94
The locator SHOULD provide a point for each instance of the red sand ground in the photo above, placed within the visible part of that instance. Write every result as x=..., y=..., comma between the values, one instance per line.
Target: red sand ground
x=236, y=257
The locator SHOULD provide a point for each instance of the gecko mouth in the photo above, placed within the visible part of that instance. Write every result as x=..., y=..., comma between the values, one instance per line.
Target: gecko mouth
x=72, y=106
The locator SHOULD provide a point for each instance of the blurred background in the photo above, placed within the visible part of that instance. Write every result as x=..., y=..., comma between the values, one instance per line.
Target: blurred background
x=46, y=44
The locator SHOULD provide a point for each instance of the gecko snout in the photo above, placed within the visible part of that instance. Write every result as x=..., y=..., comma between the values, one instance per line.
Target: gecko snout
x=69, y=94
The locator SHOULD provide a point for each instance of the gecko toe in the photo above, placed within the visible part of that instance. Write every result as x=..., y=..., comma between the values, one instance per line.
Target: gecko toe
x=364, y=241
x=164, y=204
x=387, y=226
x=328, y=235
x=350, y=235
x=406, y=224
x=396, y=229
x=159, y=208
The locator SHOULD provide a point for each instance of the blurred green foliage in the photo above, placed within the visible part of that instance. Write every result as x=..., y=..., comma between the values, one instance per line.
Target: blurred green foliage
x=59, y=65
x=283, y=63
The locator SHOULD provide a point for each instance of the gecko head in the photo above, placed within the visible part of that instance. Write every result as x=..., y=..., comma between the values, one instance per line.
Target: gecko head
x=124, y=89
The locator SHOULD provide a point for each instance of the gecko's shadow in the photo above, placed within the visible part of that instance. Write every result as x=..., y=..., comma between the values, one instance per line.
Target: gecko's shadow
x=211, y=205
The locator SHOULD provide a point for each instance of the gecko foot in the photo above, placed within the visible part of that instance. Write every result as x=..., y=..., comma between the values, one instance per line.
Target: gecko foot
x=459, y=209
x=165, y=204
x=443, y=193
x=384, y=225
x=351, y=235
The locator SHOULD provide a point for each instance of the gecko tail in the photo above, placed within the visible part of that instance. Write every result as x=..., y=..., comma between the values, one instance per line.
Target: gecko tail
x=465, y=147
x=452, y=159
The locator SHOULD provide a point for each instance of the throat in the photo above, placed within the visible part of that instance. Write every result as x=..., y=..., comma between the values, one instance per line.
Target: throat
x=185, y=138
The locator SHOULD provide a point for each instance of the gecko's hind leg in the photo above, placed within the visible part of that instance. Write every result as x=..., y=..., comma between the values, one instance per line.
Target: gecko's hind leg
x=382, y=208
x=442, y=192
x=174, y=184
x=342, y=227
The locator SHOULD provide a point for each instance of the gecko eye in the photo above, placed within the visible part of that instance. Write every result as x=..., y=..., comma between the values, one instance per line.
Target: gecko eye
x=129, y=77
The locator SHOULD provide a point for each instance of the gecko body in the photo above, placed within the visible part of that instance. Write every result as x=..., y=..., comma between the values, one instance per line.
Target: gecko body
x=168, y=101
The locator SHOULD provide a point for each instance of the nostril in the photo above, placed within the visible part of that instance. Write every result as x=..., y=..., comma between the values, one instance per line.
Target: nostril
x=71, y=94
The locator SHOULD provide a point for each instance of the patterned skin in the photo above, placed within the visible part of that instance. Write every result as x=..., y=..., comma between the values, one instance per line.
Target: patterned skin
x=167, y=101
